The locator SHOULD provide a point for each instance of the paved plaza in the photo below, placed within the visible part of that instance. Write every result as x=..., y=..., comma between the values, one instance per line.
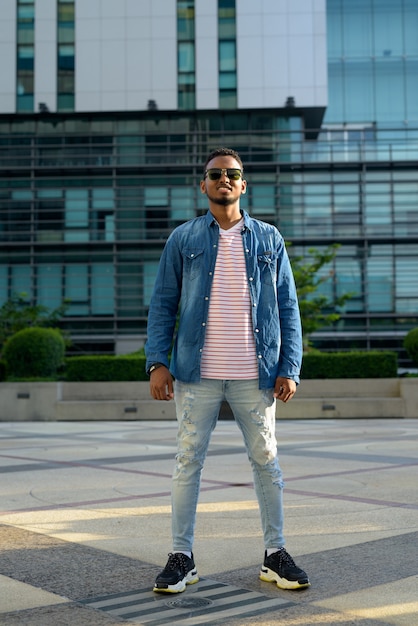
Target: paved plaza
x=85, y=525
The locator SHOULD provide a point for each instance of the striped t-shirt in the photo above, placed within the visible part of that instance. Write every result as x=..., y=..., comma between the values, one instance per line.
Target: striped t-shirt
x=229, y=352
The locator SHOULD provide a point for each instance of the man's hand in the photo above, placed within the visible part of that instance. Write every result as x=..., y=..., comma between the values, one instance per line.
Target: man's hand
x=284, y=389
x=161, y=384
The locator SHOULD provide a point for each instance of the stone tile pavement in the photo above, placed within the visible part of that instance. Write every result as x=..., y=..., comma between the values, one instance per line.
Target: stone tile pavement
x=85, y=525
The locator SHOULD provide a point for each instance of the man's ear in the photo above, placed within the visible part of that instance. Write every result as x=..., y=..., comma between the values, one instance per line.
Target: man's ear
x=202, y=186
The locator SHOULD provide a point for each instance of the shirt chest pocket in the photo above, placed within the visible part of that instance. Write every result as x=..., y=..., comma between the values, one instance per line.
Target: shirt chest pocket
x=267, y=264
x=192, y=262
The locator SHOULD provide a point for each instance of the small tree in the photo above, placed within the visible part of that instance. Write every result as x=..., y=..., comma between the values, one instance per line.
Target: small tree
x=18, y=313
x=315, y=309
x=411, y=345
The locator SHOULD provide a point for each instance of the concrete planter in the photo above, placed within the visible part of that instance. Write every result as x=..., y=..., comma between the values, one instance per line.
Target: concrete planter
x=315, y=399
x=63, y=401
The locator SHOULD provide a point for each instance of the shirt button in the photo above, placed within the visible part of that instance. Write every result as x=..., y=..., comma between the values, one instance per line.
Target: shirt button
x=251, y=278
x=191, y=256
x=204, y=324
x=256, y=330
x=210, y=273
x=247, y=250
x=206, y=298
x=260, y=356
x=254, y=304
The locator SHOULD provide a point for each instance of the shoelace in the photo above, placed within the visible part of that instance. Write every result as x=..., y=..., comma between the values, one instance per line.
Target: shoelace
x=177, y=560
x=285, y=557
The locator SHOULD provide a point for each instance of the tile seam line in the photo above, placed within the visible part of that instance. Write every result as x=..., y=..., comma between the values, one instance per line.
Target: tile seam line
x=309, y=494
x=71, y=505
x=108, y=468
x=358, y=499
x=62, y=464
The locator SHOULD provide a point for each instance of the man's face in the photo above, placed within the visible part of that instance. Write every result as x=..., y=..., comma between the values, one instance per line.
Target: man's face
x=223, y=190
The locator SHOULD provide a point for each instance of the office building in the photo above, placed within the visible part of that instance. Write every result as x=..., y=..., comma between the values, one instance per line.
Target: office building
x=108, y=110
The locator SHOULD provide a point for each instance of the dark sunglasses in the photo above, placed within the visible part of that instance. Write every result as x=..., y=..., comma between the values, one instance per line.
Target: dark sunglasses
x=233, y=173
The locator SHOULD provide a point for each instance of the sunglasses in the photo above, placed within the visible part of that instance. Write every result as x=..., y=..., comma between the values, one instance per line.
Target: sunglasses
x=214, y=173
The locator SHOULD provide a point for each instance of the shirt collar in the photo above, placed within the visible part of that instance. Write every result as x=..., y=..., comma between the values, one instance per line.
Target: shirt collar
x=247, y=219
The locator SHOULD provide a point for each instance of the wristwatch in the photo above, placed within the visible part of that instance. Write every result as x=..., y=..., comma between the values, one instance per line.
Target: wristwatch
x=153, y=367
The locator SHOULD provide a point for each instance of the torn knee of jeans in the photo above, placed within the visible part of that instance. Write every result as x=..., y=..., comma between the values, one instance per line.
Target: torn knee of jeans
x=186, y=440
x=187, y=434
x=187, y=463
x=265, y=455
x=270, y=454
x=272, y=468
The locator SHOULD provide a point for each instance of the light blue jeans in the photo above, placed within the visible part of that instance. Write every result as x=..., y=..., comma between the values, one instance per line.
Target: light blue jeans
x=197, y=407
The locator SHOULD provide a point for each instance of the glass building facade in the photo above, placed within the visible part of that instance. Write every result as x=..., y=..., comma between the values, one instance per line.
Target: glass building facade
x=25, y=52
x=87, y=200
x=372, y=61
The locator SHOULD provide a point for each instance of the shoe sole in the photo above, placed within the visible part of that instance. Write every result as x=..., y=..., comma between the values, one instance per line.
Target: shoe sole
x=190, y=579
x=270, y=576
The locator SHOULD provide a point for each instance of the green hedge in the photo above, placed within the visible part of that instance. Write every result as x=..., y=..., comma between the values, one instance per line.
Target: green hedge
x=315, y=365
x=105, y=368
x=371, y=364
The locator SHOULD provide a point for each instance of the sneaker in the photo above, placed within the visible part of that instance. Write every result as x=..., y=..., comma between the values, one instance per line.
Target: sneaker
x=280, y=568
x=179, y=572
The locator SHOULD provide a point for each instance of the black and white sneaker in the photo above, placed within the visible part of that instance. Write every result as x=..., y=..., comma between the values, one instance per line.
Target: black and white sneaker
x=281, y=569
x=179, y=572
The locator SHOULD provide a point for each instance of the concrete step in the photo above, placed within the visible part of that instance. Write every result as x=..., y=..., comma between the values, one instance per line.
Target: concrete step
x=94, y=410
x=303, y=408
x=350, y=388
x=336, y=407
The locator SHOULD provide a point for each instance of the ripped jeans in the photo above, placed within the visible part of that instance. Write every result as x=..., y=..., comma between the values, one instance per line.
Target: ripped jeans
x=197, y=406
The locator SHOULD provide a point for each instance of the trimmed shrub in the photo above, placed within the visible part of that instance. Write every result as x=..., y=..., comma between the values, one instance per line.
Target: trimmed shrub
x=371, y=364
x=105, y=368
x=411, y=345
x=34, y=352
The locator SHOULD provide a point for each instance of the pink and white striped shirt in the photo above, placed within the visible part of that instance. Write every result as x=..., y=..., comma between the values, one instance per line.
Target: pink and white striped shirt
x=229, y=352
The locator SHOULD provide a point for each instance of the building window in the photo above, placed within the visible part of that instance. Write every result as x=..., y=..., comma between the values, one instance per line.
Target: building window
x=25, y=56
x=103, y=214
x=77, y=215
x=227, y=54
x=21, y=280
x=102, y=289
x=156, y=213
x=66, y=56
x=16, y=219
x=76, y=288
x=186, y=84
x=49, y=285
x=49, y=214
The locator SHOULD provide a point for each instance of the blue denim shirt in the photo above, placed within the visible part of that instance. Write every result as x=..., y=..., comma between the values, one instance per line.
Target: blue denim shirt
x=184, y=280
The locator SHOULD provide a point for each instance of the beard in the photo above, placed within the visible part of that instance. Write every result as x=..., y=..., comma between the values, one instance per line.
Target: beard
x=222, y=200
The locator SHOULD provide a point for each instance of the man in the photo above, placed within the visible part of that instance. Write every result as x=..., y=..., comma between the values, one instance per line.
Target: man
x=239, y=340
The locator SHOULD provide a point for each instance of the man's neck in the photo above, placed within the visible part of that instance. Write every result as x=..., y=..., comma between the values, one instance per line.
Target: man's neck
x=226, y=216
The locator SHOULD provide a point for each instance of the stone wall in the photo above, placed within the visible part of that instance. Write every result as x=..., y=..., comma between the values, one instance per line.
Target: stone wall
x=315, y=399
